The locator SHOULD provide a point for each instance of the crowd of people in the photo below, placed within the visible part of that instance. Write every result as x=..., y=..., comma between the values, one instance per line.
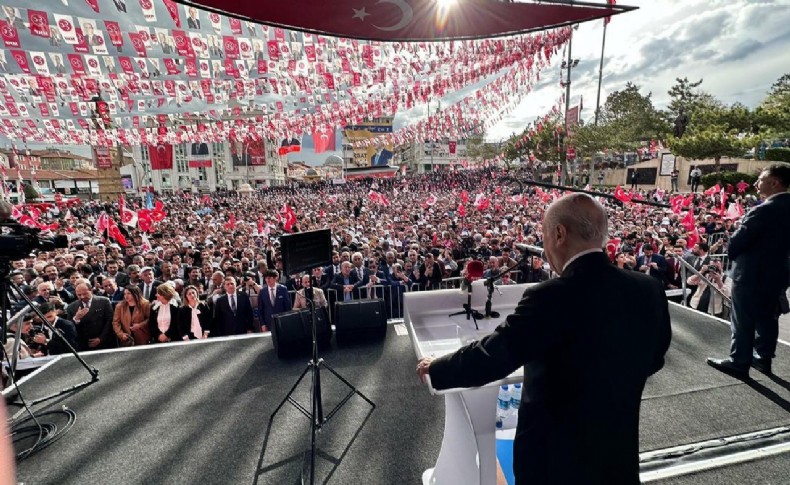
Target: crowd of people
x=212, y=266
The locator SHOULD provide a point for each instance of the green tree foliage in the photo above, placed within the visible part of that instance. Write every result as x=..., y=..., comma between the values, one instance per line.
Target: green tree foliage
x=31, y=193
x=631, y=118
x=778, y=155
x=773, y=114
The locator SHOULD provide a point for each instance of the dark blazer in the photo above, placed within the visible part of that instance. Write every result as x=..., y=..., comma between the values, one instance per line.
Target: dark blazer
x=173, y=331
x=154, y=286
x=121, y=279
x=96, y=324
x=585, y=366
x=56, y=344
x=673, y=275
x=226, y=322
x=338, y=282
x=204, y=317
x=661, y=265
x=266, y=310
x=760, y=248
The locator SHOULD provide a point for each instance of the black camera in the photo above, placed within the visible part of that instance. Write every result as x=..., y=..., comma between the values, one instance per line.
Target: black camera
x=21, y=240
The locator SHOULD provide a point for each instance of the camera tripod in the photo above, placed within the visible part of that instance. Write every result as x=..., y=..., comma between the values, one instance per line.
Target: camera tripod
x=6, y=287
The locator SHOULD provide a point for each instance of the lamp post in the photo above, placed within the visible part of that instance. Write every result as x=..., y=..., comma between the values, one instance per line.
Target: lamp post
x=569, y=64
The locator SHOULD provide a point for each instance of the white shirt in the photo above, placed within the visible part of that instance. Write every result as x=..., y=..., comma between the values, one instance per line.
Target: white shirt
x=579, y=255
x=163, y=318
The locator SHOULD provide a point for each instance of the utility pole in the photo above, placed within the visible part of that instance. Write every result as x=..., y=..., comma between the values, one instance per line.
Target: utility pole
x=564, y=173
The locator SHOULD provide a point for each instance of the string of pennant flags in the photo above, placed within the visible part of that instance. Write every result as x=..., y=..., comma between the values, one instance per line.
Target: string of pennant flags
x=167, y=73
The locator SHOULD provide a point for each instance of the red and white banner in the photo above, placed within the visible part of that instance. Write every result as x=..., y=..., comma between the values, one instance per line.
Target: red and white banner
x=10, y=34
x=161, y=156
x=39, y=23
x=324, y=141
x=149, y=13
x=103, y=158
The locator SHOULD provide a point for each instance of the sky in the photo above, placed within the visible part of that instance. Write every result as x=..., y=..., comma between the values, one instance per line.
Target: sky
x=737, y=47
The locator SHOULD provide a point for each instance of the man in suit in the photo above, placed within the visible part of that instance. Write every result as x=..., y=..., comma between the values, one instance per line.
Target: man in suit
x=93, y=317
x=760, y=249
x=148, y=284
x=381, y=158
x=272, y=299
x=121, y=278
x=56, y=344
x=346, y=283
x=232, y=311
x=193, y=21
x=585, y=365
x=652, y=263
x=363, y=274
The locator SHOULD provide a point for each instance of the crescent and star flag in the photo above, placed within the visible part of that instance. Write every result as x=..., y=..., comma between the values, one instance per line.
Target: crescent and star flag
x=402, y=20
x=324, y=141
x=161, y=156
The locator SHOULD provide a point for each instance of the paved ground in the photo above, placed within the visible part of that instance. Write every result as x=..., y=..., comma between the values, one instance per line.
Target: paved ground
x=784, y=325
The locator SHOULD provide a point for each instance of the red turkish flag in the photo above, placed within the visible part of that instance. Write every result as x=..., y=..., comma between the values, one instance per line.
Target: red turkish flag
x=621, y=195
x=411, y=19
x=688, y=221
x=324, y=141
x=94, y=4
x=161, y=156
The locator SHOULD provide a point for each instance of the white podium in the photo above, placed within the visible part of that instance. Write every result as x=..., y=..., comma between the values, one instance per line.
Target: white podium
x=468, y=453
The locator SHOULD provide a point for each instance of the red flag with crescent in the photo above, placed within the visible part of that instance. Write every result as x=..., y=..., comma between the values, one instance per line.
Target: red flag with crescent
x=161, y=156
x=429, y=20
x=324, y=141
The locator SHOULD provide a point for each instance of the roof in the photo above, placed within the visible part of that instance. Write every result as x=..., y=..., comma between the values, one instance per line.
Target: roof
x=55, y=174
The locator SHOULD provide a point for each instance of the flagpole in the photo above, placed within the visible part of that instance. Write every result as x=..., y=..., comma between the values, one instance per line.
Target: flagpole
x=600, y=74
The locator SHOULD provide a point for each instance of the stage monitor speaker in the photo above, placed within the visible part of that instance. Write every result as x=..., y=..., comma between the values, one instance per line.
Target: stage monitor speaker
x=292, y=334
x=360, y=320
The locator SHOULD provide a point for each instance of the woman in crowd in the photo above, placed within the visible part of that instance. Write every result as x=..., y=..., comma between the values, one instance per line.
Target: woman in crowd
x=163, y=321
x=432, y=272
x=706, y=299
x=130, y=320
x=194, y=317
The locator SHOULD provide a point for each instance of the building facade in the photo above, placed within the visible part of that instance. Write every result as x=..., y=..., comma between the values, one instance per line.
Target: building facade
x=426, y=156
x=208, y=167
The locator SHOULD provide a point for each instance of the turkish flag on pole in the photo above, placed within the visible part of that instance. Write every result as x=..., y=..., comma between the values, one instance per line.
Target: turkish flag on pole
x=324, y=141
x=161, y=156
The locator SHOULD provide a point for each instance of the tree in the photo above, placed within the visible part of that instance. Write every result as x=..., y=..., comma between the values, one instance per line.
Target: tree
x=478, y=149
x=711, y=143
x=632, y=116
x=684, y=97
x=773, y=114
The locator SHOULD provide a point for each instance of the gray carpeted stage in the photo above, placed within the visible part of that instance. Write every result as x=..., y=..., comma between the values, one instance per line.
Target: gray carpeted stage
x=198, y=413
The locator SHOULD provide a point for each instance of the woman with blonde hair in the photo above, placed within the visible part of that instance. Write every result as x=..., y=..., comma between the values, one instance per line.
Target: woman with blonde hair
x=130, y=319
x=163, y=322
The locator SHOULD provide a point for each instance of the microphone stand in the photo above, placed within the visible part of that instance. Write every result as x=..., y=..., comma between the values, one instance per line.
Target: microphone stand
x=490, y=286
x=470, y=312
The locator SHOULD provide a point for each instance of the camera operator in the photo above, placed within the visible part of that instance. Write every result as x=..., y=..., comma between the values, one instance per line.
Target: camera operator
x=704, y=298
x=249, y=286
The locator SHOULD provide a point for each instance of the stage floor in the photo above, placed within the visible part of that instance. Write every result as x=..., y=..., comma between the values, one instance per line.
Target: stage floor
x=199, y=413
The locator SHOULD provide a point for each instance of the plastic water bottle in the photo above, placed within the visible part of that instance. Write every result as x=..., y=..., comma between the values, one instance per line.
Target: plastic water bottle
x=503, y=405
x=515, y=399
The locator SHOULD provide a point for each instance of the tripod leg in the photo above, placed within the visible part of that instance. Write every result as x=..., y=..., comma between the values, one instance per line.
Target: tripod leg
x=310, y=365
x=321, y=363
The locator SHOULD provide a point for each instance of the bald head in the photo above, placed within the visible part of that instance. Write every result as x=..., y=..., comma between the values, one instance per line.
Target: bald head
x=573, y=224
x=583, y=217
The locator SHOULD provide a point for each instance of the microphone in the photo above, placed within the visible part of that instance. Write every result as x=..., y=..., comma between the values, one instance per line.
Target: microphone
x=474, y=271
x=529, y=250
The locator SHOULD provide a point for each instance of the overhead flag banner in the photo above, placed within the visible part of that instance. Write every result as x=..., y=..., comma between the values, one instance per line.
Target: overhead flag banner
x=412, y=20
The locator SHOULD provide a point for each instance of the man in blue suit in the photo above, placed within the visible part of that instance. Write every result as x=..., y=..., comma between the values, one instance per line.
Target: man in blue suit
x=651, y=263
x=272, y=299
x=381, y=158
x=760, y=249
x=232, y=311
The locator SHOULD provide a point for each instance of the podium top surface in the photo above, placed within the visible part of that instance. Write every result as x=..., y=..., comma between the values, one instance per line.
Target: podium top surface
x=435, y=333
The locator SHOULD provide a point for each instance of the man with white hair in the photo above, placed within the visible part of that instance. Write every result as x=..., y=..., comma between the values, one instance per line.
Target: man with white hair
x=585, y=364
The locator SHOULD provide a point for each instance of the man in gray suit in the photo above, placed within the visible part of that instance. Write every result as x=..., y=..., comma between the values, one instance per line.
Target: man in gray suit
x=93, y=317
x=760, y=249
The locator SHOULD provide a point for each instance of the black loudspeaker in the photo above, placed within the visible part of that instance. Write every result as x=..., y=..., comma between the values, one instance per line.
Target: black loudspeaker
x=360, y=320
x=292, y=333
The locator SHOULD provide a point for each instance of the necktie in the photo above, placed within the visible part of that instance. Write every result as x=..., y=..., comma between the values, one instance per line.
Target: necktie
x=271, y=295
x=233, y=303
x=147, y=292
x=359, y=272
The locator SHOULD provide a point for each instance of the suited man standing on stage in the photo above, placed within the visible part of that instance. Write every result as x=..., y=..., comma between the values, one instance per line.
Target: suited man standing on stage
x=272, y=299
x=760, y=249
x=93, y=317
x=585, y=365
x=232, y=311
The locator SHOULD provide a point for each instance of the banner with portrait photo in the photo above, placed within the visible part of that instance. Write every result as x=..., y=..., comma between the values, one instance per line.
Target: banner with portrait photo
x=251, y=153
x=199, y=156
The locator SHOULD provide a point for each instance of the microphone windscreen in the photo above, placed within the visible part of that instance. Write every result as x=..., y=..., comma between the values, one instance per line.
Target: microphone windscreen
x=474, y=269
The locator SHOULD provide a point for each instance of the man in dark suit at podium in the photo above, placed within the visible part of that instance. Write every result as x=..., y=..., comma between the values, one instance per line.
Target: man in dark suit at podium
x=585, y=364
x=760, y=249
